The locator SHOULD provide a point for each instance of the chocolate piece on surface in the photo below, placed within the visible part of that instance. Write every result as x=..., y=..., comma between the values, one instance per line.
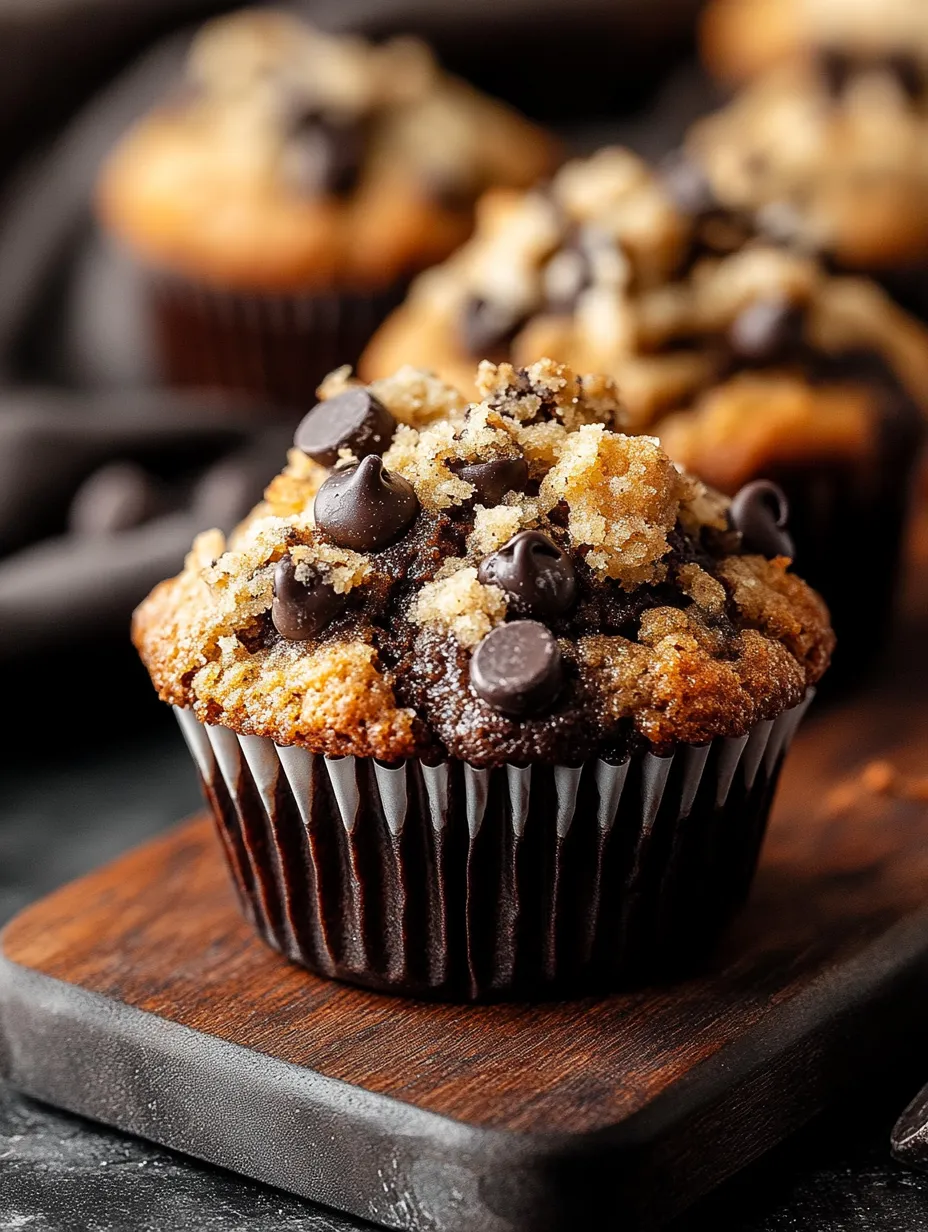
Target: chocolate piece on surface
x=488, y=326
x=301, y=609
x=759, y=512
x=766, y=330
x=517, y=668
x=114, y=498
x=365, y=507
x=492, y=480
x=687, y=185
x=536, y=575
x=323, y=153
x=355, y=420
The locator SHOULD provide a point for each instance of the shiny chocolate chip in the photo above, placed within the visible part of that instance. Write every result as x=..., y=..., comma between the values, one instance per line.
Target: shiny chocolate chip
x=909, y=74
x=487, y=327
x=836, y=69
x=114, y=498
x=355, y=420
x=766, y=331
x=535, y=574
x=364, y=507
x=301, y=609
x=492, y=480
x=322, y=154
x=567, y=275
x=517, y=669
x=759, y=513
x=687, y=185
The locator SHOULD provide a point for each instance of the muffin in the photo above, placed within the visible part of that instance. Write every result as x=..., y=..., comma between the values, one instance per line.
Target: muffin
x=282, y=196
x=747, y=360
x=831, y=160
x=742, y=38
x=493, y=705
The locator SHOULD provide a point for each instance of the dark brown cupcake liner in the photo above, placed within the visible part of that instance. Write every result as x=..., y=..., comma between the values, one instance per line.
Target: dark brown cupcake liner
x=452, y=882
x=273, y=347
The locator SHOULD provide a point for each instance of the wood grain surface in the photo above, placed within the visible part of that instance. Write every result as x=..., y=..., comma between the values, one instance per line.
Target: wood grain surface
x=845, y=863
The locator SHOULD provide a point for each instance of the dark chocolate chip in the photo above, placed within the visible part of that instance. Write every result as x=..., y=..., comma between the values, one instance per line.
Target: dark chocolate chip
x=115, y=498
x=687, y=185
x=535, y=573
x=759, y=513
x=301, y=609
x=365, y=507
x=766, y=331
x=323, y=153
x=836, y=69
x=488, y=327
x=517, y=668
x=567, y=275
x=355, y=420
x=492, y=480
x=909, y=74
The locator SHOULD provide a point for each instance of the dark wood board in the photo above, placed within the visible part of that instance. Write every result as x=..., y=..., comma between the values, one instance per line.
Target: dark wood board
x=139, y=997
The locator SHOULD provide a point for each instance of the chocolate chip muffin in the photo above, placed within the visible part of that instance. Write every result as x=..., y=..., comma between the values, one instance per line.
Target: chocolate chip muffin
x=283, y=195
x=741, y=38
x=488, y=699
x=747, y=360
x=829, y=155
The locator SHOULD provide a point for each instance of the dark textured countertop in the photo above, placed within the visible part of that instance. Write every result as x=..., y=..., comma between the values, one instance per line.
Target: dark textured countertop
x=75, y=800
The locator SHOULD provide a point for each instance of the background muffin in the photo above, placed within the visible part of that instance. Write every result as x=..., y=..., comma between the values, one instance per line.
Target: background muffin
x=747, y=360
x=294, y=182
x=556, y=674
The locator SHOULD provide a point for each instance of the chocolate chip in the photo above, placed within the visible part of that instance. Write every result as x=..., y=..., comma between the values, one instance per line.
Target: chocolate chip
x=492, y=480
x=767, y=330
x=836, y=68
x=687, y=185
x=517, y=668
x=567, y=275
x=115, y=498
x=355, y=420
x=536, y=575
x=365, y=507
x=322, y=153
x=301, y=609
x=759, y=512
x=488, y=327
x=909, y=74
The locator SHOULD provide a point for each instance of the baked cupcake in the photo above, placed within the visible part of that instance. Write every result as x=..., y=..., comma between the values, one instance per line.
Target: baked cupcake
x=499, y=713
x=741, y=38
x=748, y=361
x=282, y=197
x=828, y=159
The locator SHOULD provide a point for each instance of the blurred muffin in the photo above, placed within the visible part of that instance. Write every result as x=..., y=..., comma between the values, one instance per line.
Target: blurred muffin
x=283, y=196
x=837, y=166
x=748, y=361
x=742, y=38
x=500, y=713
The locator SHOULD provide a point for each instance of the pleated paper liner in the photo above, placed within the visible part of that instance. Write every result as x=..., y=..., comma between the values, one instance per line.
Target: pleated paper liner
x=274, y=347
x=451, y=882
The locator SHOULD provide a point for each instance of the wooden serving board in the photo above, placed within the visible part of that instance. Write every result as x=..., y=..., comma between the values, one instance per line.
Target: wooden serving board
x=138, y=996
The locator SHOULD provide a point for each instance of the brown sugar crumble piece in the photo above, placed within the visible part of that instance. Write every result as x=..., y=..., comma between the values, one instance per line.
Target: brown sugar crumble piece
x=370, y=606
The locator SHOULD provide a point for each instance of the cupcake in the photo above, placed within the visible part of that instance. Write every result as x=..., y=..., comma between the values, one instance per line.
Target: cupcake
x=748, y=361
x=742, y=38
x=493, y=705
x=831, y=158
x=282, y=197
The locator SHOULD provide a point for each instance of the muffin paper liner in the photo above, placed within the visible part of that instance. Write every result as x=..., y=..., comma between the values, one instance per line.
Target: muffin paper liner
x=453, y=882
x=276, y=347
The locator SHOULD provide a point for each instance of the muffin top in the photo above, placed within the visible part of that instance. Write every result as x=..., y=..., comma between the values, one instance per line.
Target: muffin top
x=740, y=38
x=740, y=355
x=290, y=158
x=510, y=581
x=833, y=160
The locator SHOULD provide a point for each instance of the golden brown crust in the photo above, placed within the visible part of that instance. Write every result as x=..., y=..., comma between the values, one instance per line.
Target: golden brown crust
x=668, y=640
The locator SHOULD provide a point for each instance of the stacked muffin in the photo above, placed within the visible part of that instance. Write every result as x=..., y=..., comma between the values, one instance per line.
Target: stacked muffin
x=749, y=361
x=500, y=711
x=281, y=199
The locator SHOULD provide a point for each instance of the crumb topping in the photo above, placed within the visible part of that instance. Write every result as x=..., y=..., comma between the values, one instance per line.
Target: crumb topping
x=668, y=630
